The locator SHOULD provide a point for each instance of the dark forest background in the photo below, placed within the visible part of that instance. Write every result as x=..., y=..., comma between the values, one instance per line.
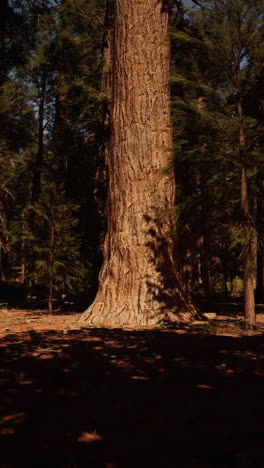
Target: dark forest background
x=53, y=182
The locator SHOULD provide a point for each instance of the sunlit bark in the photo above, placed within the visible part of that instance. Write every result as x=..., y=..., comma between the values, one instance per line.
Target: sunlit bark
x=139, y=283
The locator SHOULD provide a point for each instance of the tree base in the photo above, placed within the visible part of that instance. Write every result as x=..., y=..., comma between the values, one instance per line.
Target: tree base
x=100, y=315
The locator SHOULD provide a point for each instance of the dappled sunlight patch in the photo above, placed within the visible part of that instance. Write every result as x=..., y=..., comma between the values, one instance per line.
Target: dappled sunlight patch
x=8, y=422
x=89, y=437
x=124, y=363
x=45, y=356
x=25, y=382
x=7, y=431
x=139, y=377
x=15, y=418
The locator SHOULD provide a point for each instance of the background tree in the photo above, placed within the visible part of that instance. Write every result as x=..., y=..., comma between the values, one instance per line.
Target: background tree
x=222, y=63
x=57, y=102
x=56, y=247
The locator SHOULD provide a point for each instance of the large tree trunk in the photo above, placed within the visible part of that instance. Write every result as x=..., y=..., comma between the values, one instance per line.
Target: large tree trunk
x=138, y=283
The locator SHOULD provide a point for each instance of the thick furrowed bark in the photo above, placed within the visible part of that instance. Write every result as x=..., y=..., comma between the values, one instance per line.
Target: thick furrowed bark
x=138, y=283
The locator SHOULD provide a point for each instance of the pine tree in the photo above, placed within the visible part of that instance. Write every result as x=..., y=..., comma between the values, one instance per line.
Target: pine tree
x=199, y=167
x=16, y=115
x=229, y=33
x=76, y=136
x=55, y=245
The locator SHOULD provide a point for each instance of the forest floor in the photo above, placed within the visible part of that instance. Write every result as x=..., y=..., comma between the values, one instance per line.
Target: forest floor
x=112, y=398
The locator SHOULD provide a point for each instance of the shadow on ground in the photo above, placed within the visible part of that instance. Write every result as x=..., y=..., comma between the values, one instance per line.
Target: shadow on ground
x=119, y=398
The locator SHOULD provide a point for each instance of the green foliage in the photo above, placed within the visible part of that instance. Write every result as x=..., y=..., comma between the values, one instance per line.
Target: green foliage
x=217, y=55
x=241, y=235
x=55, y=244
x=52, y=57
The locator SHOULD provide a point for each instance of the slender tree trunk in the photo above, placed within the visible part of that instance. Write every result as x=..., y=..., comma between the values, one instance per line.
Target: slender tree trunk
x=225, y=279
x=51, y=262
x=204, y=244
x=62, y=133
x=107, y=73
x=249, y=298
x=36, y=186
x=4, y=62
x=203, y=264
x=5, y=247
x=1, y=266
x=205, y=267
x=100, y=191
x=260, y=276
x=2, y=235
x=234, y=287
x=23, y=255
x=50, y=295
x=260, y=251
x=3, y=26
x=36, y=182
x=138, y=283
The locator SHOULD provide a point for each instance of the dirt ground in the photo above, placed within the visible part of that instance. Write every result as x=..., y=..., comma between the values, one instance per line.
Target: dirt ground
x=112, y=398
